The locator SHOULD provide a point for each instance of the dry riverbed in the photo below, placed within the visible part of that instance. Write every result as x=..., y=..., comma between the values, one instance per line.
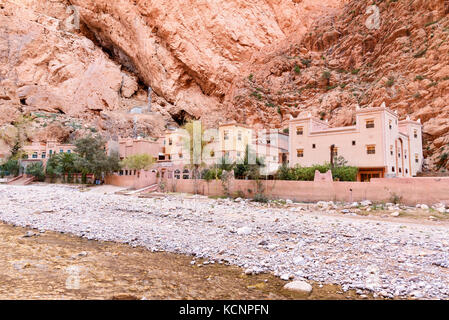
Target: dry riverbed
x=44, y=266
x=223, y=249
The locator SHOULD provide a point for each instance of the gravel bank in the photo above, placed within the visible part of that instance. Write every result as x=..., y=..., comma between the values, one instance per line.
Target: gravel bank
x=388, y=258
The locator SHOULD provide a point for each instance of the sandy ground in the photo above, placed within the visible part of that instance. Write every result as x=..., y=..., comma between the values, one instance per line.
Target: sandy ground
x=47, y=266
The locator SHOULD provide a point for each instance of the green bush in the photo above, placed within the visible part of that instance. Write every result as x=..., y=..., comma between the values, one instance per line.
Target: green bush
x=212, y=174
x=345, y=173
x=298, y=173
x=260, y=197
x=36, y=169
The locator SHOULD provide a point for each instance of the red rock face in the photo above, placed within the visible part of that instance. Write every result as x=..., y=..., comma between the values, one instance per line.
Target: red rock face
x=253, y=61
x=343, y=61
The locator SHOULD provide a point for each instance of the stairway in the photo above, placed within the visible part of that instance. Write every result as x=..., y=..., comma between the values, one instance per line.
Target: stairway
x=21, y=180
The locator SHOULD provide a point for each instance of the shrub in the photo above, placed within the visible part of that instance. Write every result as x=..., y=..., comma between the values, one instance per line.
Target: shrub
x=390, y=82
x=212, y=174
x=345, y=173
x=297, y=69
x=36, y=170
x=260, y=197
x=326, y=75
x=340, y=172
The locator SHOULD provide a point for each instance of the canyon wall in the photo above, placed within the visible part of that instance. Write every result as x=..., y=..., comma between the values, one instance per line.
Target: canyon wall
x=255, y=61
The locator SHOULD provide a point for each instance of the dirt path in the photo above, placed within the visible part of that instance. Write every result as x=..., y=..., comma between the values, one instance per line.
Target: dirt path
x=45, y=265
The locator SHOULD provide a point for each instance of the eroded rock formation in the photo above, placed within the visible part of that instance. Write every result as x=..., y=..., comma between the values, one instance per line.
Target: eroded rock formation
x=253, y=61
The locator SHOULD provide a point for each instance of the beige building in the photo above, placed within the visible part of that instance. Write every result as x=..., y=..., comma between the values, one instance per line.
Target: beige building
x=378, y=144
x=229, y=140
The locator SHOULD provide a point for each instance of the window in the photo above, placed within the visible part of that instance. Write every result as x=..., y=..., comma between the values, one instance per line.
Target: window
x=34, y=156
x=170, y=141
x=314, y=146
x=44, y=154
x=299, y=131
x=371, y=149
x=226, y=135
x=415, y=133
x=61, y=151
x=185, y=174
x=390, y=124
x=406, y=170
x=239, y=136
x=400, y=170
x=392, y=169
x=177, y=174
x=370, y=124
x=391, y=150
x=51, y=152
x=300, y=153
x=212, y=153
x=180, y=155
x=353, y=142
x=268, y=141
x=416, y=158
x=69, y=151
x=238, y=154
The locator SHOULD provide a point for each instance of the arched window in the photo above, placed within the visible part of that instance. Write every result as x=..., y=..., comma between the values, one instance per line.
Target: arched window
x=186, y=174
x=177, y=174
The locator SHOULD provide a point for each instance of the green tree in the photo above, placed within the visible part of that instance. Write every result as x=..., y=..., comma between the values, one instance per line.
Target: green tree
x=36, y=169
x=52, y=169
x=138, y=162
x=12, y=166
x=92, y=157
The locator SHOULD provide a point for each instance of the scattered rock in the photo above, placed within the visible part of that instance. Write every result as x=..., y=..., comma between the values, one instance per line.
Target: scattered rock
x=299, y=286
x=244, y=231
x=395, y=214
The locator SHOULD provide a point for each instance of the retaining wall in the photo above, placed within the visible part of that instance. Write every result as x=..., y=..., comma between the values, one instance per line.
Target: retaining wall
x=410, y=191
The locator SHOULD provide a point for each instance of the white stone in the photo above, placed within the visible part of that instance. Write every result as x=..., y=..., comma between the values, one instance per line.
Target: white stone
x=299, y=286
x=395, y=214
x=244, y=231
x=424, y=206
x=366, y=203
x=298, y=260
x=441, y=210
x=285, y=276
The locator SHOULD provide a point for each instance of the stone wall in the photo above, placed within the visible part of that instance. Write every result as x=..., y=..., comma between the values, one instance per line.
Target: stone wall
x=410, y=191
x=144, y=179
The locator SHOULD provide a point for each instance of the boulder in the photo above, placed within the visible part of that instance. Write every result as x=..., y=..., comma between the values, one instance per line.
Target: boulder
x=299, y=286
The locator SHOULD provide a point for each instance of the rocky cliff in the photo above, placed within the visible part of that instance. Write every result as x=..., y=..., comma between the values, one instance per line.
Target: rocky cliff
x=255, y=61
